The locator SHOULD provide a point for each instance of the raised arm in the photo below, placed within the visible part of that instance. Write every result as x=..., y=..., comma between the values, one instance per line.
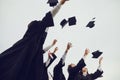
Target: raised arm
x=58, y=71
x=51, y=57
x=81, y=63
x=87, y=51
x=57, y=8
x=51, y=45
x=69, y=45
x=100, y=63
x=99, y=71
x=62, y=60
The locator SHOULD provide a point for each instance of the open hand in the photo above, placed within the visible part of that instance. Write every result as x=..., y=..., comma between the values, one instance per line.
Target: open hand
x=86, y=52
x=69, y=45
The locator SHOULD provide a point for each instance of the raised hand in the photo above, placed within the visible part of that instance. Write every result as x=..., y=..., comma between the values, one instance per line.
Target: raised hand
x=49, y=54
x=55, y=50
x=54, y=42
x=69, y=45
x=86, y=52
x=100, y=60
x=63, y=1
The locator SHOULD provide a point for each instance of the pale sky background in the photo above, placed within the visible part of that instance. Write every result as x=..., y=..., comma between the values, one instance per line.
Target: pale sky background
x=15, y=15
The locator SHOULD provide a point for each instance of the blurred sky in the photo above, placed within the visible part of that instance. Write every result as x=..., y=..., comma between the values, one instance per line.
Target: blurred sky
x=15, y=15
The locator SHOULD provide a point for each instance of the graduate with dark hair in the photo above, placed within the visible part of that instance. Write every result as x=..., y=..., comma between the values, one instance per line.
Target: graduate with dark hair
x=51, y=58
x=84, y=75
x=24, y=60
x=80, y=72
x=73, y=69
x=58, y=71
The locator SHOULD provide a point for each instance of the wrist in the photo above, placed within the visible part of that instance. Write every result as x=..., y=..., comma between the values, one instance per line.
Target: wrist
x=62, y=2
x=66, y=51
x=99, y=65
x=84, y=56
x=52, y=45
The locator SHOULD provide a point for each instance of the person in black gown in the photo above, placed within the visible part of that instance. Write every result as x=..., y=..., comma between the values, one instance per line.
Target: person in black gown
x=80, y=72
x=73, y=69
x=24, y=60
x=58, y=71
x=51, y=58
x=84, y=75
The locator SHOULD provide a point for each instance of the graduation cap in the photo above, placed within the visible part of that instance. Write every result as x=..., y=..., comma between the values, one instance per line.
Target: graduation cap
x=93, y=18
x=72, y=21
x=52, y=3
x=63, y=22
x=96, y=54
x=91, y=23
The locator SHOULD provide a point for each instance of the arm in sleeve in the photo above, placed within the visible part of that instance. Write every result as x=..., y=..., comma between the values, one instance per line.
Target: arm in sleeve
x=79, y=66
x=62, y=61
x=55, y=9
x=58, y=67
x=98, y=73
x=47, y=21
x=50, y=60
x=58, y=71
x=47, y=48
x=63, y=58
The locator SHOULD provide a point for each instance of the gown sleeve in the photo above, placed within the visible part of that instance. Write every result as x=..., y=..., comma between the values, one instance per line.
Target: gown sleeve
x=38, y=27
x=97, y=74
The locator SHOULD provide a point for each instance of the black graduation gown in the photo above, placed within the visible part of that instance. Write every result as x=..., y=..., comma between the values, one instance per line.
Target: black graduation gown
x=24, y=60
x=93, y=76
x=75, y=70
x=45, y=73
x=58, y=72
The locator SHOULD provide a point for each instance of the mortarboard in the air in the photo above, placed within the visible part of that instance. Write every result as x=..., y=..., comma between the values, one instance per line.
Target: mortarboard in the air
x=72, y=21
x=63, y=22
x=91, y=23
x=52, y=3
x=96, y=54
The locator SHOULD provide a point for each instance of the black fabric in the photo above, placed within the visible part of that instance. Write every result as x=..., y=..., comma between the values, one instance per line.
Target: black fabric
x=63, y=22
x=52, y=59
x=52, y=3
x=58, y=72
x=45, y=73
x=75, y=70
x=91, y=24
x=96, y=54
x=72, y=21
x=93, y=76
x=24, y=60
